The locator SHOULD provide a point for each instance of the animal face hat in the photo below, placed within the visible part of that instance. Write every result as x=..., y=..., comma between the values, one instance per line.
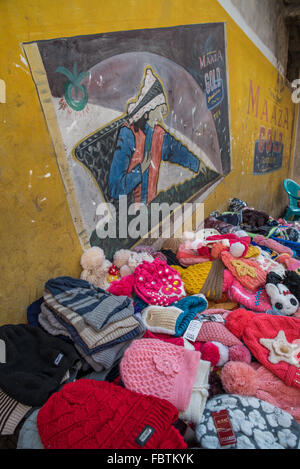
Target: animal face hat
x=282, y=300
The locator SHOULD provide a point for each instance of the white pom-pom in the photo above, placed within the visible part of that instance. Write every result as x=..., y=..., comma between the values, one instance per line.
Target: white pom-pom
x=224, y=353
x=241, y=233
x=237, y=249
x=188, y=236
x=92, y=258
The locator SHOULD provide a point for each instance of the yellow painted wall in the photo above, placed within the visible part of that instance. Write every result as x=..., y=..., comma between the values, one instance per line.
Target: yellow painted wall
x=38, y=239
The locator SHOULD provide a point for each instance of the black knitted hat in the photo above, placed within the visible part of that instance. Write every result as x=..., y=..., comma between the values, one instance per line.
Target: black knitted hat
x=35, y=363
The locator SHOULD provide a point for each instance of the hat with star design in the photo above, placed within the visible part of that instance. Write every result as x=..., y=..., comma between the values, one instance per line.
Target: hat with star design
x=273, y=340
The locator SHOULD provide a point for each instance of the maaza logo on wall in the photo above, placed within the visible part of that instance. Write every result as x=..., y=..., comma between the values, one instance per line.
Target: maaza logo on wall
x=139, y=113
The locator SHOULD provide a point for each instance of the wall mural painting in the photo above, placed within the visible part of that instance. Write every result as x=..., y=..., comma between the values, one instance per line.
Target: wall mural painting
x=140, y=113
x=273, y=126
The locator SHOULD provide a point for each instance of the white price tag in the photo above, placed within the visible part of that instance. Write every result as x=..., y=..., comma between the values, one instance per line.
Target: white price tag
x=192, y=331
x=218, y=318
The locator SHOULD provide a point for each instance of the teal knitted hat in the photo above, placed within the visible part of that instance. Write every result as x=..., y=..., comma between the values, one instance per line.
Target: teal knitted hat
x=190, y=306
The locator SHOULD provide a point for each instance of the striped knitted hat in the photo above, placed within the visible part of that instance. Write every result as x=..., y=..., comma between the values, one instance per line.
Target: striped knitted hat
x=11, y=413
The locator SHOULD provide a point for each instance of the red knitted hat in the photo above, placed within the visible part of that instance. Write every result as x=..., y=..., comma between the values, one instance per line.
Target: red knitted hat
x=272, y=340
x=89, y=414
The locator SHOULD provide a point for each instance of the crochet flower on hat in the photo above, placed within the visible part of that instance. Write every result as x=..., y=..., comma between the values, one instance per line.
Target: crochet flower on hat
x=281, y=349
x=165, y=365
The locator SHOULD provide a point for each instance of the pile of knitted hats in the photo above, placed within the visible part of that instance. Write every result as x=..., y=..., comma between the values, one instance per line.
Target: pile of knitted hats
x=195, y=344
x=99, y=324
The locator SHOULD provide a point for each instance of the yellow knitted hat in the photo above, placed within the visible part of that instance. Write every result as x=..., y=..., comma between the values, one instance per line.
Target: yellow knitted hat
x=194, y=276
x=253, y=251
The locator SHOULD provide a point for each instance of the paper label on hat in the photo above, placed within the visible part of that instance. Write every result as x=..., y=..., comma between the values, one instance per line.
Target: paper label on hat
x=224, y=427
x=210, y=317
x=193, y=330
x=2, y=351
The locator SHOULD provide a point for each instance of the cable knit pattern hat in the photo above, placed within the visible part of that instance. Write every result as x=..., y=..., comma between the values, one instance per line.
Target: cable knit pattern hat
x=157, y=368
x=273, y=340
x=90, y=414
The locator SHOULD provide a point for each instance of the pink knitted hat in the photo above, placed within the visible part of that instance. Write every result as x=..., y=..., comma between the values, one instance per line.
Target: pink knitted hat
x=157, y=368
x=246, y=271
x=188, y=256
x=256, y=300
x=272, y=244
x=217, y=332
x=256, y=380
x=272, y=340
x=154, y=282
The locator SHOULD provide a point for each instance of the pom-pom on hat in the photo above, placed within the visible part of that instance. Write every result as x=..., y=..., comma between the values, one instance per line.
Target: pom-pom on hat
x=89, y=414
x=256, y=380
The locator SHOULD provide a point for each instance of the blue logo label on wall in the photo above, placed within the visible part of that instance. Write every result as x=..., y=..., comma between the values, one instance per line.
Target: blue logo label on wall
x=267, y=161
x=216, y=96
